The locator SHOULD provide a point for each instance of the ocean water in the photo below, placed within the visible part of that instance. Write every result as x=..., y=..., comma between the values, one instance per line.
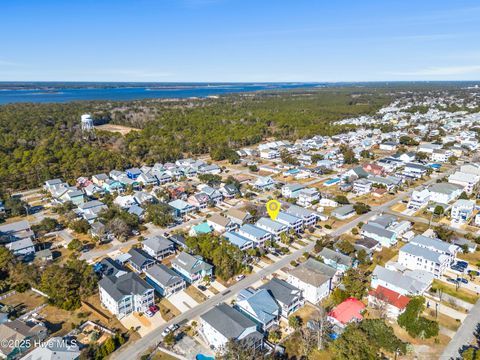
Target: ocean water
x=58, y=92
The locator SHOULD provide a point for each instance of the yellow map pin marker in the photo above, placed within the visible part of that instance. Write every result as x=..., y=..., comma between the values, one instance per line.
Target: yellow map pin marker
x=273, y=207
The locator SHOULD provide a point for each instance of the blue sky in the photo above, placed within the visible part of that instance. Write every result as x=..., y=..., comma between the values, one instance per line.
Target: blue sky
x=239, y=40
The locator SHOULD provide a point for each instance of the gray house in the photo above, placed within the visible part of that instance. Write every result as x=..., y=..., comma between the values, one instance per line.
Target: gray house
x=139, y=260
x=158, y=247
x=288, y=297
x=164, y=280
x=224, y=323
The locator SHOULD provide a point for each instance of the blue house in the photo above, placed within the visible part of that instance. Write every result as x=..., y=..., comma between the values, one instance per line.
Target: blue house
x=238, y=240
x=191, y=268
x=254, y=233
x=199, y=229
x=113, y=186
x=133, y=173
x=180, y=207
x=336, y=259
x=260, y=306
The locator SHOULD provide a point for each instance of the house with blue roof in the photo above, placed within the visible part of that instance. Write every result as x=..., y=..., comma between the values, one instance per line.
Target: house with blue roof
x=133, y=173
x=180, y=207
x=259, y=306
x=273, y=227
x=111, y=186
x=238, y=240
x=191, y=268
x=256, y=234
x=291, y=221
x=199, y=229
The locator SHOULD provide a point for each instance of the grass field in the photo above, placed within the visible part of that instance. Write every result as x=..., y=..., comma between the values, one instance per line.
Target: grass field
x=461, y=293
x=124, y=130
x=168, y=310
x=196, y=294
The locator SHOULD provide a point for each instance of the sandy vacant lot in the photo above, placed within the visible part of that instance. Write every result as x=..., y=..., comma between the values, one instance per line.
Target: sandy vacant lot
x=124, y=130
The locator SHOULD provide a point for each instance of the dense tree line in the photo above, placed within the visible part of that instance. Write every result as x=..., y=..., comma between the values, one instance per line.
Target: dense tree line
x=226, y=258
x=43, y=141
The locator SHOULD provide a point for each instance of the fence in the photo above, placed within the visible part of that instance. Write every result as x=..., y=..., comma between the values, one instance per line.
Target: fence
x=4, y=296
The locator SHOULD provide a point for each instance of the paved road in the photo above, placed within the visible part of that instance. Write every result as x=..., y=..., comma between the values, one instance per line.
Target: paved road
x=464, y=334
x=136, y=349
x=425, y=221
x=139, y=347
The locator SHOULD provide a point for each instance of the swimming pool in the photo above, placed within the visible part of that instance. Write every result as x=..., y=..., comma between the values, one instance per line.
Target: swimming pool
x=203, y=357
x=331, y=181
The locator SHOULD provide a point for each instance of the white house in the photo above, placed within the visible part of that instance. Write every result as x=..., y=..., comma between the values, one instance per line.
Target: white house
x=391, y=301
x=292, y=190
x=472, y=168
x=419, y=199
x=291, y=221
x=125, y=294
x=441, y=155
x=264, y=183
x=398, y=281
x=462, y=210
x=428, y=254
x=388, y=146
x=362, y=186
x=273, y=227
x=307, y=197
x=466, y=180
x=223, y=323
x=428, y=148
x=269, y=154
x=444, y=192
x=314, y=278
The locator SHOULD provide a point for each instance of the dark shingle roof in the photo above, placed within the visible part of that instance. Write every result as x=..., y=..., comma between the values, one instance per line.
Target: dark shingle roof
x=281, y=290
x=227, y=321
x=124, y=285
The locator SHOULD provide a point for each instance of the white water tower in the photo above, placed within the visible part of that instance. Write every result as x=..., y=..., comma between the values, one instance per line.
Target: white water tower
x=87, y=122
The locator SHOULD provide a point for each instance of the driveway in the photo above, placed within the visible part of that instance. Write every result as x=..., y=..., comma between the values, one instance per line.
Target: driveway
x=464, y=334
x=143, y=323
x=116, y=245
x=134, y=349
x=182, y=301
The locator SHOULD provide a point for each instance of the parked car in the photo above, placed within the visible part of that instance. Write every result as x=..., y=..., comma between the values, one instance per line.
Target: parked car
x=170, y=329
x=462, y=280
x=153, y=308
x=462, y=263
x=453, y=281
x=149, y=313
x=240, y=277
x=202, y=287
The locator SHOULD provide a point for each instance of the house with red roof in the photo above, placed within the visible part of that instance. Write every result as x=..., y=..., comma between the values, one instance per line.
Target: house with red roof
x=374, y=169
x=388, y=300
x=346, y=312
